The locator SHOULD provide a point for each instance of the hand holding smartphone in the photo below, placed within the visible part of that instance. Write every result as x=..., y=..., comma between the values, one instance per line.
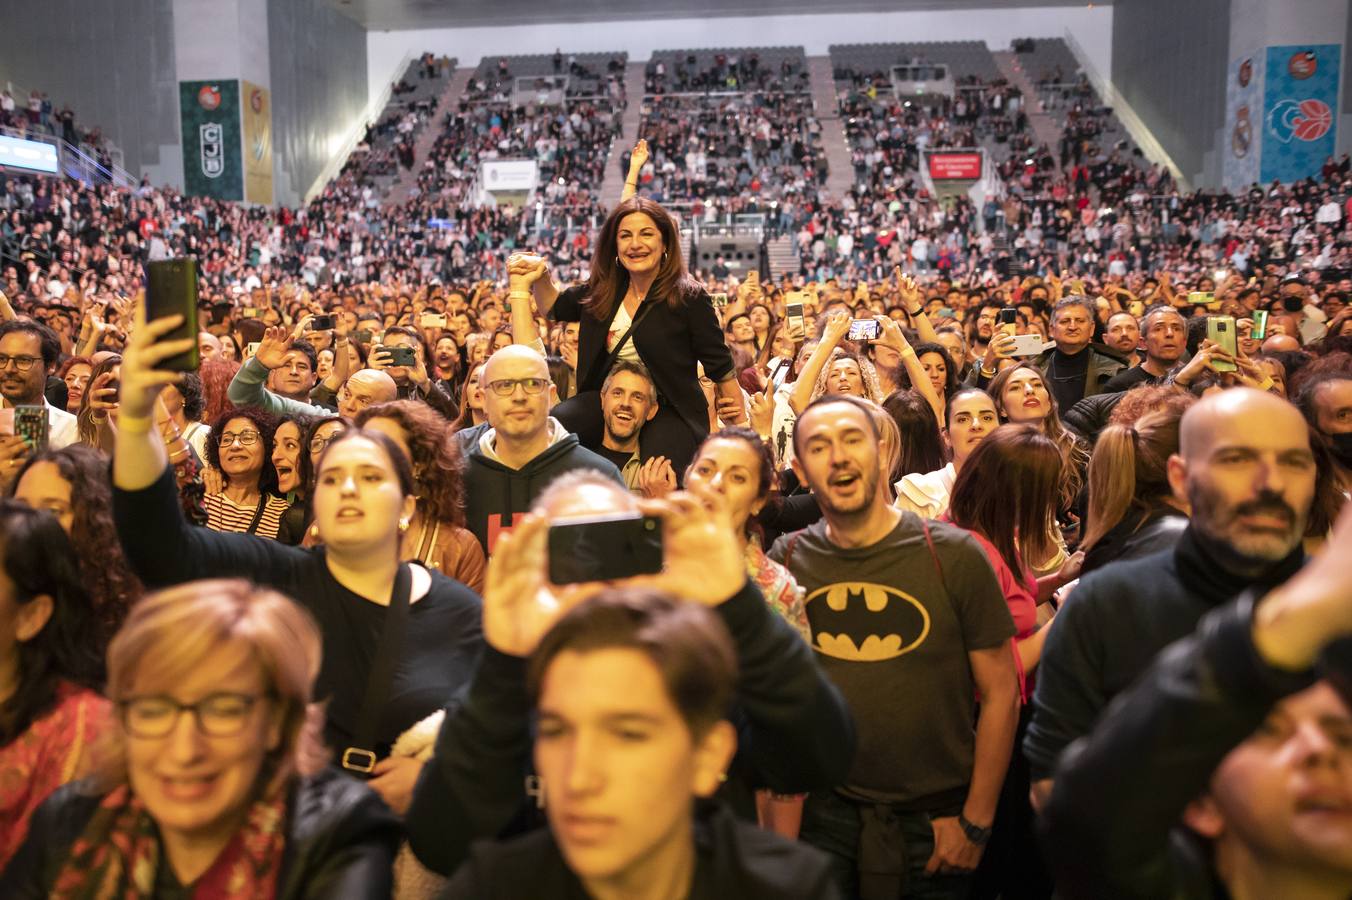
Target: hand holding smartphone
x=604, y=549
x=171, y=290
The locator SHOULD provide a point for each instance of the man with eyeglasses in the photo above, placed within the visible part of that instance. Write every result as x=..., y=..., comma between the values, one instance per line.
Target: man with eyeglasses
x=523, y=449
x=28, y=354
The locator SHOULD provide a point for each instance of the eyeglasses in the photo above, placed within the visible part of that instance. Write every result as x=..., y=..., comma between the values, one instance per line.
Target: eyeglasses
x=218, y=715
x=22, y=363
x=317, y=444
x=244, y=438
x=505, y=387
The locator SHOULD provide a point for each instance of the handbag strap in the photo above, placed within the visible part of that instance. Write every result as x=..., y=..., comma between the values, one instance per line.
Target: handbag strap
x=258, y=513
x=361, y=757
x=613, y=355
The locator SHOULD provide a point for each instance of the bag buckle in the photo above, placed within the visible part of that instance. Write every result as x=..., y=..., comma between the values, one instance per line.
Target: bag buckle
x=356, y=759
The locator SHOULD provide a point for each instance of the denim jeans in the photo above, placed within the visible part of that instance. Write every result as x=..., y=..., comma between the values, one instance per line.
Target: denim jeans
x=832, y=824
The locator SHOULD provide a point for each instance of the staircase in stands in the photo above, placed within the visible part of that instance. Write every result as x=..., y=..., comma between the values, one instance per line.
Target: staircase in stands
x=840, y=170
x=403, y=186
x=1045, y=129
x=613, y=184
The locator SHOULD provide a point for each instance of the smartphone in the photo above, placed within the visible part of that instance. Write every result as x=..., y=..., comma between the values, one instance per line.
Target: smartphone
x=321, y=323
x=793, y=316
x=30, y=423
x=1260, y=320
x=1008, y=316
x=864, y=330
x=720, y=300
x=1201, y=297
x=1220, y=330
x=1028, y=345
x=604, y=549
x=251, y=312
x=401, y=356
x=432, y=320
x=171, y=290
x=251, y=350
x=363, y=336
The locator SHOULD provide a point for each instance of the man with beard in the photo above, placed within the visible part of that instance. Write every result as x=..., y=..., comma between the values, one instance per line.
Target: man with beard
x=628, y=400
x=1247, y=471
x=910, y=623
x=1166, y=336
x=1326, y=401
x=28, y=354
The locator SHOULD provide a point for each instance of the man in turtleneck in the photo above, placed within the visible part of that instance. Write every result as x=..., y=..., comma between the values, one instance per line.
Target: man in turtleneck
x=1246, y=470
x=1072, y=369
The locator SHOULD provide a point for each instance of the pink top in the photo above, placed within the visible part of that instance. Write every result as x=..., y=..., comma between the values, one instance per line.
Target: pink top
x=1021, y=595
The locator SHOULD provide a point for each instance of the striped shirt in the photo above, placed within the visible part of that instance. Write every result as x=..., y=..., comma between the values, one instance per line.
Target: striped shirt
x=224, y=514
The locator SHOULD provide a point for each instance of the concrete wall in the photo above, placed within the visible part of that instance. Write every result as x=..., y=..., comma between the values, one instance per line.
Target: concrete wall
x=1169, y=63
x=113, y=62
x=318, y=65
x=1092, y=27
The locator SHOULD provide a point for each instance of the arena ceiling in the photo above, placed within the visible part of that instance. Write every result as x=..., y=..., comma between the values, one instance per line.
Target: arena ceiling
x=399, y=15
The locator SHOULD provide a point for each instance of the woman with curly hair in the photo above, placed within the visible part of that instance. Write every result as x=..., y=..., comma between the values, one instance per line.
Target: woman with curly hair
x=436, y=536
x=216, y=374
x=72, y=484
x=240, y=449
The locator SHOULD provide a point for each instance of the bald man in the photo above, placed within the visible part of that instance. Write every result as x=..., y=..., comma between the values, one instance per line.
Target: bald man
x=522, y=449
x=365, y=387
x=1246, y=471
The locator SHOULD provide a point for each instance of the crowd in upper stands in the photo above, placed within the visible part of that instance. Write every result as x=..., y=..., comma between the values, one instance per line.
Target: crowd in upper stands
x=299, y=618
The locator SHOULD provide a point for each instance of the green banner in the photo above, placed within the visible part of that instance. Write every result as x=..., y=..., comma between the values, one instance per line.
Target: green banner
x=212, y=164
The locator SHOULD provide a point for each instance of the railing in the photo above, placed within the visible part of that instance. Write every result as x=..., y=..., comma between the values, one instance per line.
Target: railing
x=1136, y=127
x=356, y=130
x=76, y=163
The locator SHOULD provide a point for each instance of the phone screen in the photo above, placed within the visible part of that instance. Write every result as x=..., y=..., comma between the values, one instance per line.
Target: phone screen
x=321, y=323
x=604, y=549
x=863, y=330
x=171, y=290
x=793, y=315
x=1260, y=323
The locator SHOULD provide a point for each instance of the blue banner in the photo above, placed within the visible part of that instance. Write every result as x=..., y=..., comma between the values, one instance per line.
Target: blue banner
x=1300, y=96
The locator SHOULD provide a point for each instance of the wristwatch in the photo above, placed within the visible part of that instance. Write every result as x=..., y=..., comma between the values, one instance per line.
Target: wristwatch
x=975, y=834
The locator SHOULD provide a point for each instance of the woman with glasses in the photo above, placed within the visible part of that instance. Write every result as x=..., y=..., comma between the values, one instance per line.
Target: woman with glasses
x=214, y=784
x=353, y=583
x=51, y=668
x=240, y=448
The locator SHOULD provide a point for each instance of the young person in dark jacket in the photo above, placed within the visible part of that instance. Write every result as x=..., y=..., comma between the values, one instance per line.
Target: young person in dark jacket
x=630, y=690
x=1246, y=470
x=795, y=733
x=1223, y=772
x=363, y=501
x=212, y=786
x=639, y=279
x=522, y=450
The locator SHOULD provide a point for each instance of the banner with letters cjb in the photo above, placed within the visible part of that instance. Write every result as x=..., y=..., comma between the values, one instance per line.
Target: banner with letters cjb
x=1300, y=99
x=212, y=162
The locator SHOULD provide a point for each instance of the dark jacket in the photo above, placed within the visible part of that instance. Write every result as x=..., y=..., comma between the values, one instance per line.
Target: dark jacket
x=1103, y=365
x=1138, y=534
x=795, y=734
x=341, y=841
x=670, y=342
x=732, y=859
x=495, y=494
x=1112, y=824
x=1090, y=416
x=1115, y=622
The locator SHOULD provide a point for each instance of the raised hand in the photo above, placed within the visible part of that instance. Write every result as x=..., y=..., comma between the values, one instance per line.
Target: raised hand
x=141, y=380
x=519, y=606
x=638, y=159
x=701, y=558
x=909, y=292
x=837, y=326
x=276, y=342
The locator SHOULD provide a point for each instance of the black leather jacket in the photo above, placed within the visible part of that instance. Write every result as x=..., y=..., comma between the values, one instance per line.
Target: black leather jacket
x=341, y=841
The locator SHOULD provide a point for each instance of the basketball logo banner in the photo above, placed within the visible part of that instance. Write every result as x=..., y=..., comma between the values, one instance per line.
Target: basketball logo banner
x=1299, y=127
x=210, y=117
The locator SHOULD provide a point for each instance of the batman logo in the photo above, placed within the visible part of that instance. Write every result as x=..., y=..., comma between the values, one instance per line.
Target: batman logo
x=864, y=622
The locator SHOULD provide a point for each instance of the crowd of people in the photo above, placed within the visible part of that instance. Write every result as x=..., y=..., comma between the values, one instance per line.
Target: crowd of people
x=927, y=510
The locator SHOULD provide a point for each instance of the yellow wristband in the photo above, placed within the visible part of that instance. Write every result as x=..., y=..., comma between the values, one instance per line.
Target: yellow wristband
x=135, y=424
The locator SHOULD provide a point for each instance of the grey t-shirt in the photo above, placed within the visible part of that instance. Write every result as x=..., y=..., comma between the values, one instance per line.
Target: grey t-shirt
x=894, y=638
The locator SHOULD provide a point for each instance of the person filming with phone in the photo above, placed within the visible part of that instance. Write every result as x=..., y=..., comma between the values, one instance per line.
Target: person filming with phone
x=28, y=354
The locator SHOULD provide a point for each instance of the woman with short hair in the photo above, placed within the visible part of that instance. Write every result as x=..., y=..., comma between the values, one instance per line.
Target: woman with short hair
x=214, y=785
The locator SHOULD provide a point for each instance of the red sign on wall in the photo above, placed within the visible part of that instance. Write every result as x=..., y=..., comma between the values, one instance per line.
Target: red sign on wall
x=954, y=166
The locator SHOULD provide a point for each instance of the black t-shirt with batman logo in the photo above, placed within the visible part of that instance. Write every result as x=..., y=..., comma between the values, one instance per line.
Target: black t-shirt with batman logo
x=895, y=640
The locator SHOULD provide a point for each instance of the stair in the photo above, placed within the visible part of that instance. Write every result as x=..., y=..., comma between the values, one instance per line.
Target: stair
x=613, y=184
x=401, y=188
x=1045, y=129
x=839, y=168
x=783, y=261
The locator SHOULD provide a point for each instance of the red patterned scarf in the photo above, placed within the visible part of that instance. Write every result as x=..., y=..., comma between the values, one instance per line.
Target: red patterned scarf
x=118, y=854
